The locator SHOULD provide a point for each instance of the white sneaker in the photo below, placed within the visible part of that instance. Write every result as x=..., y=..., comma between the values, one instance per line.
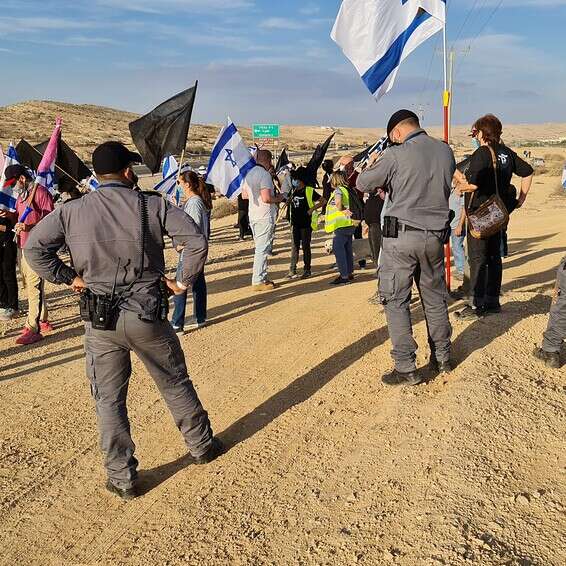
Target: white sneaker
x=194, y=325
x=6, y=315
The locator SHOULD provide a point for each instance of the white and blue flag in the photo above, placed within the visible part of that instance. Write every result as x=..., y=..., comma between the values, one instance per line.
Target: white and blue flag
x=7, y=195
x=564, y=178
x=378, y=35
x=230, y=162
x=168, y=187
x=92, y=183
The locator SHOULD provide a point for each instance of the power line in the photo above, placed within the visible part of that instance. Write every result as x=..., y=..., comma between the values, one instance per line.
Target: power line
x=477, y=35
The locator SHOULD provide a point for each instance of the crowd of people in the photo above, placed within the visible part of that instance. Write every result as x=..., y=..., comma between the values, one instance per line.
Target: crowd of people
x=408, y=201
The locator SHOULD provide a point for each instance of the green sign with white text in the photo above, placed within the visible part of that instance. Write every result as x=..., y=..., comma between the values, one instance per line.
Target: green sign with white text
x=266, y=131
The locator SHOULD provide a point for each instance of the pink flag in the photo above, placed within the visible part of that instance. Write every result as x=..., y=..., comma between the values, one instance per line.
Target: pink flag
x=46, y=170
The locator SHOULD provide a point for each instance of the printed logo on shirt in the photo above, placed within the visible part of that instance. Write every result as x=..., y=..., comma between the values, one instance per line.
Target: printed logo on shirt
x=503, y=159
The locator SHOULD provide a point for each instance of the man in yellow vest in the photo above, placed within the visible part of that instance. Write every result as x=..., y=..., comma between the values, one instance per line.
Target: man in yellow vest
x=304, y=204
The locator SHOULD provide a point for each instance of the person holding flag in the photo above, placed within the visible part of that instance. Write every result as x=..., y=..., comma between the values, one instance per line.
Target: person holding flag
x=34, y=203
x=8, y=248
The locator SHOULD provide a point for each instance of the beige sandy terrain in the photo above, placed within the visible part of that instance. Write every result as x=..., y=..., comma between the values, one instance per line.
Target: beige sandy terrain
x=326, y=465
x=86, y=126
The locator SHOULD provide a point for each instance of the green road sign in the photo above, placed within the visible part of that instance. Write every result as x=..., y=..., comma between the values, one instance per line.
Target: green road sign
x=266, y=131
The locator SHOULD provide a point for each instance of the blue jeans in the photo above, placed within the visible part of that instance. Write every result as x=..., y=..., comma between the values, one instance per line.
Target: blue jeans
x=458, y=252
x=263, y=231
x=343, y=251
x=199, y=303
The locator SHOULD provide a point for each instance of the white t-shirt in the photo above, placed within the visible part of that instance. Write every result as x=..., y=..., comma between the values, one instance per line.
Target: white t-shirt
x=256, y=180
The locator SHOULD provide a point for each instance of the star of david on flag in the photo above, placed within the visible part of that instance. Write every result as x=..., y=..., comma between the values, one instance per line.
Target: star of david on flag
x=230, y=162
x=7, y=196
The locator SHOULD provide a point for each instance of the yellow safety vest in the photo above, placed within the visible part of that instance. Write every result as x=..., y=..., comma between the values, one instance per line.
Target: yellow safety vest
x=336, y=218
x=310, y=201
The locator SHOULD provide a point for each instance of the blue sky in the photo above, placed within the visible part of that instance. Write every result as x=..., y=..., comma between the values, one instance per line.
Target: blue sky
x=268, y=61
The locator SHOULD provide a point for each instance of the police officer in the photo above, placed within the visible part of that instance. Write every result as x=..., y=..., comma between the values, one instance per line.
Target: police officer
x=556, y=331
x=115, y=237
x=418, y=175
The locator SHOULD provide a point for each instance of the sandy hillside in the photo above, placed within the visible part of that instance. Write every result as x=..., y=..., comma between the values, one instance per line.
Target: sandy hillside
x=326, y=466
x=86, y=126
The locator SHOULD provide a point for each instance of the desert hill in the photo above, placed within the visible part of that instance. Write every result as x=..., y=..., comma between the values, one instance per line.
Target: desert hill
x=85, y=126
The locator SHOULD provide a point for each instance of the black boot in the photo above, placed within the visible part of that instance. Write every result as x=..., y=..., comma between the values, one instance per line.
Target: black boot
x=215, y=450
x=396, y=378
x=125, y=494
x=440, y=367
x=551, y=359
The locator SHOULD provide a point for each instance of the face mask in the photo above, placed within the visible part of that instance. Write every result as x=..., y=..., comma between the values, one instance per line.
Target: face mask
x=295, y=183
x=476, y=143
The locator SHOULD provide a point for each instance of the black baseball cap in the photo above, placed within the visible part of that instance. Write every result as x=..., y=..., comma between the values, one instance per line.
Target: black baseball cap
x=16, y=171
x=398, y=117
x=113, y=157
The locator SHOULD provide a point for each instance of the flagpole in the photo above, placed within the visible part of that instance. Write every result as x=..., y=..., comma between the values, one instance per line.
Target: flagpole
x=446, y=108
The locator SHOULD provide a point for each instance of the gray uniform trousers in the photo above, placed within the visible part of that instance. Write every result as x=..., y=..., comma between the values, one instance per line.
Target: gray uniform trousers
x=415, y=256
x=109, y=369
x=556, y=331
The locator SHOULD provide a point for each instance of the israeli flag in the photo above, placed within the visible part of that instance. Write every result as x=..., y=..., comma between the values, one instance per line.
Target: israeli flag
x=378, y=35
x=564, y=178
x=7, y=195
x=168, y=187
x=230, y=162
x=92, y=183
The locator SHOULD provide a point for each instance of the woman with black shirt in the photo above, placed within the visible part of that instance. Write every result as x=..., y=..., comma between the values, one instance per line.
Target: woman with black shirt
x=486, y=268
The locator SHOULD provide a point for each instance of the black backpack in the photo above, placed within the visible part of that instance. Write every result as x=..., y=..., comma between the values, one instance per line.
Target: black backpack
x=356, y=205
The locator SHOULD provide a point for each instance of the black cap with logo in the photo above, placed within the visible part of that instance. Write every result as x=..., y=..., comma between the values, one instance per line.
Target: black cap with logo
x=398, y=117
x=113, y=157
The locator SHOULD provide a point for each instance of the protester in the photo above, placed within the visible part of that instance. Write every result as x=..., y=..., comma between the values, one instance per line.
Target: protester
x=304, y=204
x=458, y=232
x=373, y=209
x=118, y=269
x=418, y=177
x=555, y=333
x=339, y=222
x=198, y=206
x=8, y=261
x=263, y=206
x=484, y=255
x=37, y=318
x=346, y=165
x=243, y=218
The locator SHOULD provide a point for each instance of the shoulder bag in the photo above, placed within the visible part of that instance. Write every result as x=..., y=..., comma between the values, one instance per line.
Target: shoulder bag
x=492, y=216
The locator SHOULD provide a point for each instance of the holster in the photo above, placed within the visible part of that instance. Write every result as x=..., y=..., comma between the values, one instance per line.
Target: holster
x=99, y=310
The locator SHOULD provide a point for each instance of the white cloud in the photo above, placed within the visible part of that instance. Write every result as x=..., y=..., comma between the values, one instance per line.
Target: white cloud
x=310, y=9
x=166, y=6
x=283, y=23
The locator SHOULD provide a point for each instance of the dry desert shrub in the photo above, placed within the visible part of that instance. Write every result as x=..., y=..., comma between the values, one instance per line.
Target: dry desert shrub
x=224, y=207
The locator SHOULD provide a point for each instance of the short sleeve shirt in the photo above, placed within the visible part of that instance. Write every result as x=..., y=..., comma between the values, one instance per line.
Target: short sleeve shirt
x=481, y=173
x=300, y=217
x=42, y=205
x=256, y=180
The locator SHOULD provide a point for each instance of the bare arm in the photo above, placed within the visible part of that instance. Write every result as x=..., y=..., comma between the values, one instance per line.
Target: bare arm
x=526, y=184
x=268, y=198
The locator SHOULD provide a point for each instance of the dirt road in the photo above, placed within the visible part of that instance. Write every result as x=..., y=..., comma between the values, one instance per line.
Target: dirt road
x=326, y=465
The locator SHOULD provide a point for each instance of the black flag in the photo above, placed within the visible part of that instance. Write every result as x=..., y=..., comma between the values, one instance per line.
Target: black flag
x=317, y=159
x=69, y=168
x=282, y=161
x=164, y=130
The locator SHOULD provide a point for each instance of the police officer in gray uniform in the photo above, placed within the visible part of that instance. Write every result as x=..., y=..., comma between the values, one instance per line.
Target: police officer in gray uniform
x=115, y=238
x=556, y=331
x=417, y=174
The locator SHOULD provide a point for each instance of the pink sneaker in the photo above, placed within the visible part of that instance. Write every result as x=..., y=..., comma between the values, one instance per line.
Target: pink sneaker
x=29, y=337
x=45, y=326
